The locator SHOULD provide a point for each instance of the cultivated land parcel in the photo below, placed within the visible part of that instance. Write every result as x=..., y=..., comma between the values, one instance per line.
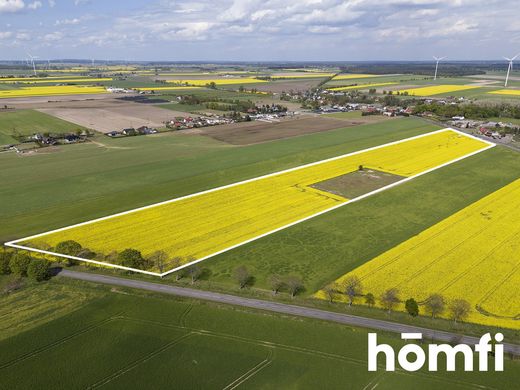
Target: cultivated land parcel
x=200, y=226
x=472, y=254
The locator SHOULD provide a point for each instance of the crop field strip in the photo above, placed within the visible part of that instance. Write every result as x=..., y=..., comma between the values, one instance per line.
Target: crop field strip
x=513, y=92
x=473, y=254
x=54, y=81
x=437, y=89
x=51, y=91
x=215, y=347
x=360, y=86
x=218, y=81
x=202, y=225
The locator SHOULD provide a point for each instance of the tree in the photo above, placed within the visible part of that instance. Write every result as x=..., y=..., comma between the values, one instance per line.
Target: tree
x=4, y=263
x=39, y=269
x=174, y=263
x=131, y=258
x=412, y=307
x=370, y=300
x=352, y=287
x=459, y=309
x=18, y=264
x=294, y=285
x=194, y=272
x=390, y=298
x=70, y=248
x=435, y=304
x=242, y=276
x=159, y=259
x=276, y=283
x=331, y=290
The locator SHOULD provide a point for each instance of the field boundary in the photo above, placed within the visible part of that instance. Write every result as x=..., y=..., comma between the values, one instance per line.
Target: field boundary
x=14, y=244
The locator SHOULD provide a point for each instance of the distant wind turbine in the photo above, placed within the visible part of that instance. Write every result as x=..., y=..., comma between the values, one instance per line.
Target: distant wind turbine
x=32, y=61
x=437, y=59
x=510, y=67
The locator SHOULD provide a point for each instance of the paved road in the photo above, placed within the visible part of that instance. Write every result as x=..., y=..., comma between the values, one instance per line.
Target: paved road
x=281, y=308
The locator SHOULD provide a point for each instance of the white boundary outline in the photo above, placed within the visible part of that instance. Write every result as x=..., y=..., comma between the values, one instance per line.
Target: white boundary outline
x=13, y=244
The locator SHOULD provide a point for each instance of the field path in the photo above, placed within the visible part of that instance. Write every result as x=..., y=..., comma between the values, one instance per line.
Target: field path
x=282, y=308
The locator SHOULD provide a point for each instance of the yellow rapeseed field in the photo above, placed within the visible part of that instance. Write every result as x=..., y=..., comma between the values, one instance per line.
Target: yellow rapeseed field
x=354, y=76
x=219, y=81
x=513, y=92
x=474, y=255
x=309, y=75
x=172, y=88
x=437, y=89
x=210, y=222
x=50, y=91
x=361, y=86
x=54, y=80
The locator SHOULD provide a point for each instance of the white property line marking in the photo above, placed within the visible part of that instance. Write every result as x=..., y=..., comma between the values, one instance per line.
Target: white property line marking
x=14, y=244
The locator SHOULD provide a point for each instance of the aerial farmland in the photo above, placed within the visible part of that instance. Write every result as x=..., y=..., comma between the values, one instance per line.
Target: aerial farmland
x=226, y=195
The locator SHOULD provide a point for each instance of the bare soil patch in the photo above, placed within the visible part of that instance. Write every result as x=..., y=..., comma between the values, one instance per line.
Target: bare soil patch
x=113, y=115
x=354, y=184
x=247, y=133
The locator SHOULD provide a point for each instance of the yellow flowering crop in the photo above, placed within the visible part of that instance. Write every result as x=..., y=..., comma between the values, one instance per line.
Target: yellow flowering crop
x=50, y=91
x=310, y=75
x=361, y=86
x=437, y=89
x=172, y=88
x=53, y=80
x=210, y=222
x=347, y=76
x=474, y=254
x=219, y=81
x=514, y=92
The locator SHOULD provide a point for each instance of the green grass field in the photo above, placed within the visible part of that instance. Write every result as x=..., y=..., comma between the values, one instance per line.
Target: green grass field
x=28, y=122
x=139, y=171
x=122, y=339
x=326, y=247
x=81, y=182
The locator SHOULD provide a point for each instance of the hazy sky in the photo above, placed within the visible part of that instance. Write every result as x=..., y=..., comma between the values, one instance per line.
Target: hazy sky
x=259, y=29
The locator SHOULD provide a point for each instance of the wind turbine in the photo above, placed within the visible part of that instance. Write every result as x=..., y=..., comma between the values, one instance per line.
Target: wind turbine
x=32, y=61
x=510, y=67
x=437, y=59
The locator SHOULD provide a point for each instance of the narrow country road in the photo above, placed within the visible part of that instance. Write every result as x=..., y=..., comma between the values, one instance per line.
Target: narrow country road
x=282, y=308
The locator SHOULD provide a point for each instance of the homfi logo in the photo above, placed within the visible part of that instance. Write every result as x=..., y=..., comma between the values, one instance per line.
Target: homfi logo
x=412, y=357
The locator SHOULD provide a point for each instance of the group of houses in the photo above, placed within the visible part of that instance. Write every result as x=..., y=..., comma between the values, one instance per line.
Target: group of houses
x=367, y=109
x=130, y=131
x=491, y=129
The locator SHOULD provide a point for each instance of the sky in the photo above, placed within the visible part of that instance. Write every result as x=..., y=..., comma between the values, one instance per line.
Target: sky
x=259, y=30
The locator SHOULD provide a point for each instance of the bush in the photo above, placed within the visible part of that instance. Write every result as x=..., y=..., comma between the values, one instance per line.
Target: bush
x=71, y=248
x=19, y=263
x=412, y=307
x=131, y=258
x=4, y=263
x=38, y=270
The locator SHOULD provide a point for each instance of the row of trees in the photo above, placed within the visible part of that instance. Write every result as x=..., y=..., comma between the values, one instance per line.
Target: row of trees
x=23, y=265
x=435, y=304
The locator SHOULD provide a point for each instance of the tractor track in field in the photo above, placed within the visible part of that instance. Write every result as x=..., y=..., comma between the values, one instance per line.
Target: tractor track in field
x=58, y=342
x=284, y=308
